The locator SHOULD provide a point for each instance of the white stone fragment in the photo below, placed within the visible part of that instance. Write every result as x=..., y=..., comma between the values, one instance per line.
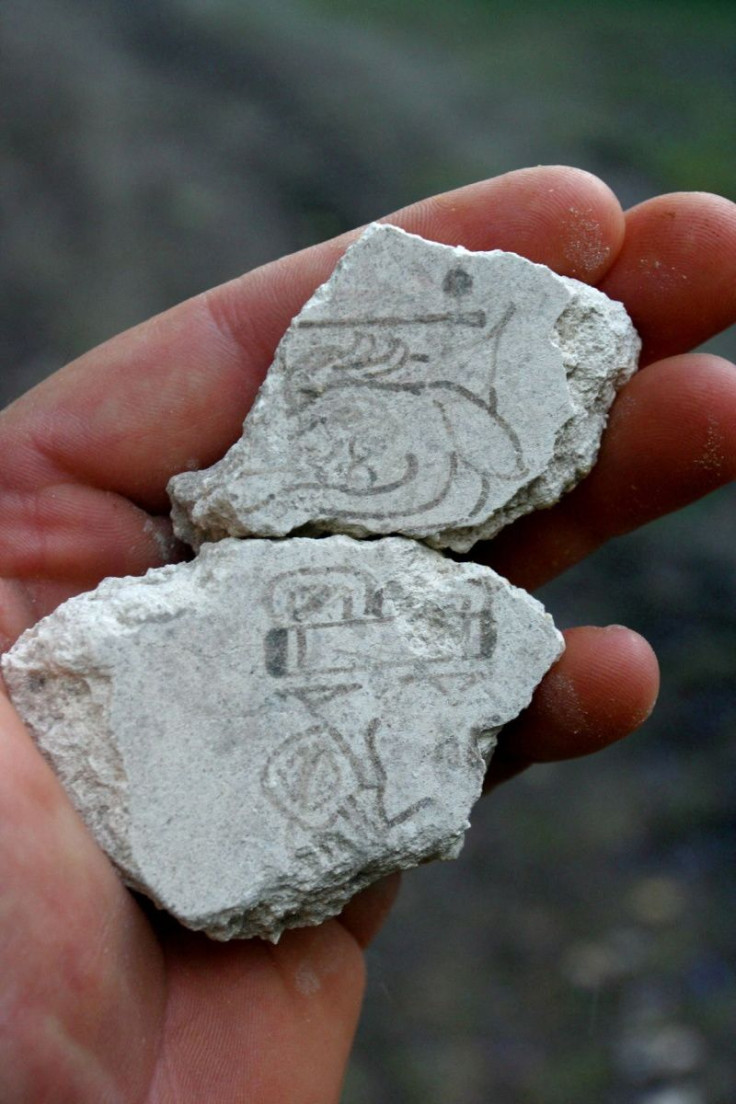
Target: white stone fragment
x=256, y=735
x=423, y=390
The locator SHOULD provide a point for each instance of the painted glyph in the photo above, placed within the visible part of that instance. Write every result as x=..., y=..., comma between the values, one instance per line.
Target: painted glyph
x=424, y=390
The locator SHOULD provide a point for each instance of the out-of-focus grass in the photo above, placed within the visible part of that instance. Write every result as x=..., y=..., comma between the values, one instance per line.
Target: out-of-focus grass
x=649, y=83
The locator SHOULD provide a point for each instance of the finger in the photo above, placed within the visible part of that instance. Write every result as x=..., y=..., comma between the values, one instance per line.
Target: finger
x=562, y=217
x=676, y=271
x=671, y=439
x=365, y=915
x=249, y=1021
x=604, y=686
x=47, y=533
x=172, y=394
x=16, y=613
x=81, y=983
x=45, y=525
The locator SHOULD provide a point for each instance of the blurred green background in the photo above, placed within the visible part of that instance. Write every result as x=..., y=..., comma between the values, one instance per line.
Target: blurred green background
x=582, y=948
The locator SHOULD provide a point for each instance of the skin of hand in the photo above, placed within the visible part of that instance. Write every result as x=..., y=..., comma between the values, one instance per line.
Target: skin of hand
x=102, y=1001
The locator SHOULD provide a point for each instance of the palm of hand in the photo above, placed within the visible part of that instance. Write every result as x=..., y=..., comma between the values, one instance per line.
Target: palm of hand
x=101, y=1000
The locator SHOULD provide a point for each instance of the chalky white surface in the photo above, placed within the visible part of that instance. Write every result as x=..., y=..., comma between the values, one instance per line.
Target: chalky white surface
x=423, y=390
x=256, y=735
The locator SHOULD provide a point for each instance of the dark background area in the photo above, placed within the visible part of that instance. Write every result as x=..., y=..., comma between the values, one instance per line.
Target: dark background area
x=582, y=948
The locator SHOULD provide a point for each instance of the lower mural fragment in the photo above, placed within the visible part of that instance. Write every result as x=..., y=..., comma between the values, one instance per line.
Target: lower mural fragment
x=256, y=735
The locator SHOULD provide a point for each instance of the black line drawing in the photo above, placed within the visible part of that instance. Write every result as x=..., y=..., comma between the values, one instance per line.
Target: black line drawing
x=335, y=621
x=345, y=399
x=314, y=778
x=336, y=625
x=309, y=776
x=299, y=594
x=458, y=318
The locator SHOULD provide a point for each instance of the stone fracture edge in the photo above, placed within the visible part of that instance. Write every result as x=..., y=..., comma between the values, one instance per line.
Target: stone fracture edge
x=256, y=735
x=424, y=390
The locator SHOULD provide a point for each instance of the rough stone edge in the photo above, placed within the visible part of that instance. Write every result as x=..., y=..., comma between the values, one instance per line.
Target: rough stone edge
x=549, y=487
x=270, y=920
x=38, y=652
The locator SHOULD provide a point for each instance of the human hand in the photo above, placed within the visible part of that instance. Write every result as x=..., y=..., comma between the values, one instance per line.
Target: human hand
x=102, y=1000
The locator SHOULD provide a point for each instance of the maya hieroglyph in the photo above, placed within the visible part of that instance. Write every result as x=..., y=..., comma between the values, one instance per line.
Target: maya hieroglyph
x=423, y=390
